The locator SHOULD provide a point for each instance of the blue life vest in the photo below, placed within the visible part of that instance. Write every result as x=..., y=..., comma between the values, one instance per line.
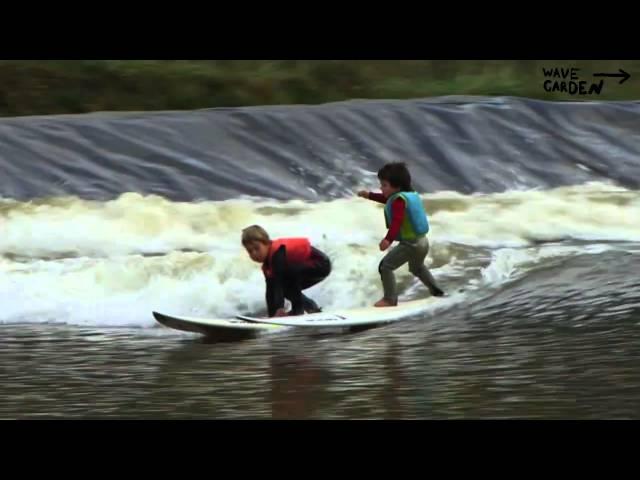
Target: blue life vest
x=415, y=223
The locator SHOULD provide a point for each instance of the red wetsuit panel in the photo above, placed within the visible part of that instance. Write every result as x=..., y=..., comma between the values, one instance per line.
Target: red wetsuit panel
x=397, y=210
x=397, y=216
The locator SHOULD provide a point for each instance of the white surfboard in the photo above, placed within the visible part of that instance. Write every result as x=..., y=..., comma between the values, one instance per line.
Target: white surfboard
x=219, y=327
x=349, y=317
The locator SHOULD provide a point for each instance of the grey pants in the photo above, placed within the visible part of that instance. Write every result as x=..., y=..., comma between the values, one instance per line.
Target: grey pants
x=412, y=252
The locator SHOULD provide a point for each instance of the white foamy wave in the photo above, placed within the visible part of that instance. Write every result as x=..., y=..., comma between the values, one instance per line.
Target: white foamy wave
x=123, y=291
x=73, y=261
x=151, y=225
x=593, y=212
x=510, y=263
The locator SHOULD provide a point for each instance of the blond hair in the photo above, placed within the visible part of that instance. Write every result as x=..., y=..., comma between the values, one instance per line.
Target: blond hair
x=254, y=233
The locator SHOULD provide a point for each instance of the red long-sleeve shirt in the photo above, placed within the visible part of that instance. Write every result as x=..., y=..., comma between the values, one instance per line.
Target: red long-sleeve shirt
x=397, y=209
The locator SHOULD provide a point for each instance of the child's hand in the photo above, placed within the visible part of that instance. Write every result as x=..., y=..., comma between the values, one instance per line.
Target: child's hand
x=363, y=194
x=384, y=244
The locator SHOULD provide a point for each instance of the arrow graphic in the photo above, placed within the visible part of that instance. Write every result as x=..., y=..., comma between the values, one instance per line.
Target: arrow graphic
x=625, y=76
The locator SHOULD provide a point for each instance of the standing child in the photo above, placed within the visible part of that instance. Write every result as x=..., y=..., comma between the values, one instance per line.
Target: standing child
x=407, y=222
x=290, y=265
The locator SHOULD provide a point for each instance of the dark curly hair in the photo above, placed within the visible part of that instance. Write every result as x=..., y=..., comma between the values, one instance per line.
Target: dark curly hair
x=397, y=174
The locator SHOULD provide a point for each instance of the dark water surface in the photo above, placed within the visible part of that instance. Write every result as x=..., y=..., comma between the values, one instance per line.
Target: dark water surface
x=561, y=342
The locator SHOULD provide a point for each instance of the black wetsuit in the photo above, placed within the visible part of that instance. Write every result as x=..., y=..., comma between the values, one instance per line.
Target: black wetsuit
x=288, y=281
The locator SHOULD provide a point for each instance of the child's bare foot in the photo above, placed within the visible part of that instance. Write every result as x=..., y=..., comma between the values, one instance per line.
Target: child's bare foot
x=385, y=303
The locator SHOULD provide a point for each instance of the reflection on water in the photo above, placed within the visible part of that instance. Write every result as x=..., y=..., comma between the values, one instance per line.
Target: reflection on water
x=387, y=374
x=562, y=343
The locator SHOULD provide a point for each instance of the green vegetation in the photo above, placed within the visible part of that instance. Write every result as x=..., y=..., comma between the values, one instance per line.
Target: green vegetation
x=78, y=86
